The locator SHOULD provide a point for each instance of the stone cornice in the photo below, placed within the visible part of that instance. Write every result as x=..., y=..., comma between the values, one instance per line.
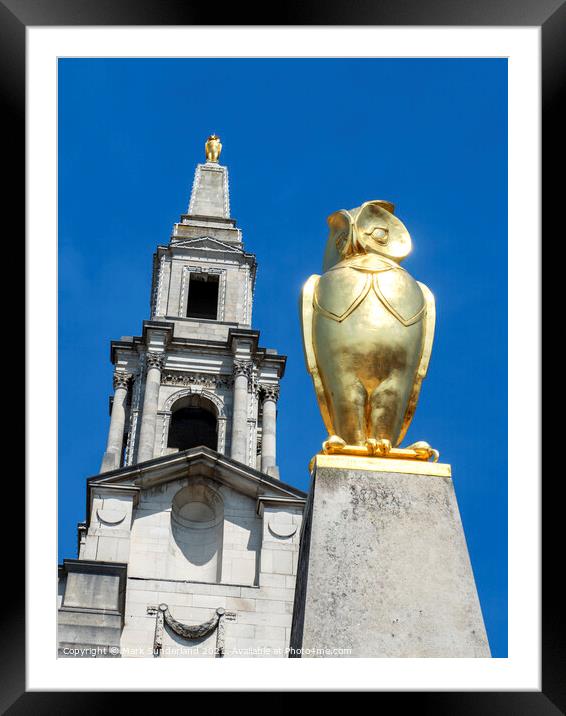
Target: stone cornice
x=248, y=335
x=121, y=345
x=260, y=355
x=200, y=461
x=131, y=344
x=166, y=327
x=186, y=220
x=270, y=359
x=269, y=501
x=91, y=566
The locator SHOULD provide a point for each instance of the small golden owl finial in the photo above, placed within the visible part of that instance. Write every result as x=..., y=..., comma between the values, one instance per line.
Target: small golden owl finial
x=212, y=148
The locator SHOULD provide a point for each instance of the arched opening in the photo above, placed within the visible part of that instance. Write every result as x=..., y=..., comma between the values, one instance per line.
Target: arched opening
x=193, y=423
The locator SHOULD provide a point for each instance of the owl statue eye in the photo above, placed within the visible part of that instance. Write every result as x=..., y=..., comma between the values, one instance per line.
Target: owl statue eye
x=379, y=234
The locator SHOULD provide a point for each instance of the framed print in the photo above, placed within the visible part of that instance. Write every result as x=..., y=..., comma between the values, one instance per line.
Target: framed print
x=206, y=528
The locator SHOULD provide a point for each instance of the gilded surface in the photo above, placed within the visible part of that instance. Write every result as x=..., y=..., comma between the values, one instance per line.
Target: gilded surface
x=212, y=148
x=376, y=464
x=368, y=328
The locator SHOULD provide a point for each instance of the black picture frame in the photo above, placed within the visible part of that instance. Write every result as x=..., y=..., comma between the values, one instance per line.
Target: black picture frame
x=550, y=15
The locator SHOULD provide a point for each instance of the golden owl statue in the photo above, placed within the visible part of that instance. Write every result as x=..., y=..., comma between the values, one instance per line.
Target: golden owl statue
x=213, y=148
x=368, y=329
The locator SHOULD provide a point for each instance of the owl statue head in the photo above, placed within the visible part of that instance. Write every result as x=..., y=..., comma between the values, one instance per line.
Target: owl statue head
x=369, y=229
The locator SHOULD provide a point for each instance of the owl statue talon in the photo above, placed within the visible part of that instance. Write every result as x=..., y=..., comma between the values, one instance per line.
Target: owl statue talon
x=372, y=446
x=333, y=444
x=378, y=447
x=422, y=447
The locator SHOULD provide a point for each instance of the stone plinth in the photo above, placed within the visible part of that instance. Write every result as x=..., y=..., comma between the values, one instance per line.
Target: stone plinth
x=91, y=615
x=383, y=564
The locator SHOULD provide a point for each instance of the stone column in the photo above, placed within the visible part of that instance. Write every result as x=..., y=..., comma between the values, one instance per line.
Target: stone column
x=242, y=370
x=112, y=456
x=149, y=414
x=268, y=433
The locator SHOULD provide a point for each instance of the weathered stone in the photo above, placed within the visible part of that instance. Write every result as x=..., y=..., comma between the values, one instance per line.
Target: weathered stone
x=168, y=553
x=91, y=615
x=384, y=569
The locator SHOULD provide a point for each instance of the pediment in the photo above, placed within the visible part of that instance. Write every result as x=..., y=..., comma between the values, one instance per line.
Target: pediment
x=198, y=462
x=207, y=243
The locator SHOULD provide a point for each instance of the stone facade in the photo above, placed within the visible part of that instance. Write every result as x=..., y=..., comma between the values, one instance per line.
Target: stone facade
x=195, y=531
x=189, y=552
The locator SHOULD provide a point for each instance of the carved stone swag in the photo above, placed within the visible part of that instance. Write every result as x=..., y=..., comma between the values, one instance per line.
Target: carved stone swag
x=190, y=632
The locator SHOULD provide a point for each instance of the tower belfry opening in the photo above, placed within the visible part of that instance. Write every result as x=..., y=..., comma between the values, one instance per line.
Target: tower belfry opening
x=202, y=300
x=192, y=426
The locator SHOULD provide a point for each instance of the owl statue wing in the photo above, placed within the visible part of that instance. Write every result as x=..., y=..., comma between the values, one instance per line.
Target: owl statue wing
x=428, y=338
x=307, y=310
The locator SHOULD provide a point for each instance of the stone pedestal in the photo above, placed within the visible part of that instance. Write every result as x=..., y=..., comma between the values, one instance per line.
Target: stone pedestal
x=91, y=615
x=383, y=564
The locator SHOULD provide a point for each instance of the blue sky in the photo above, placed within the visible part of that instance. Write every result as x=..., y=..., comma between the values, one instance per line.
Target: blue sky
x=302, y=138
